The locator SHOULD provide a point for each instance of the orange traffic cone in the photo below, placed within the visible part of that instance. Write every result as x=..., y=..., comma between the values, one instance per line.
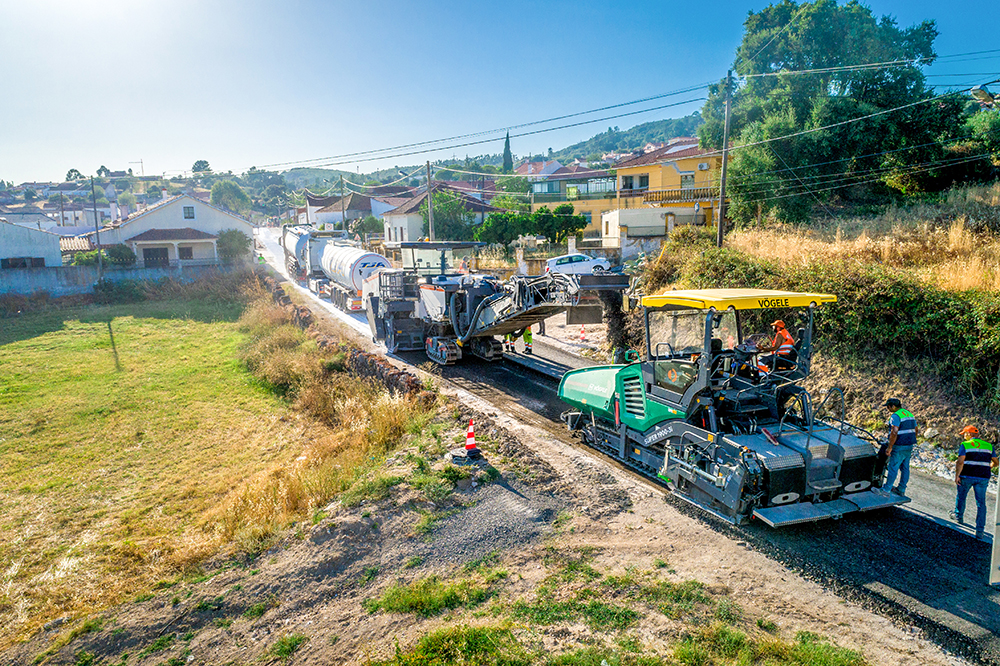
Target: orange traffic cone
x=470, y=438
x=583, y=334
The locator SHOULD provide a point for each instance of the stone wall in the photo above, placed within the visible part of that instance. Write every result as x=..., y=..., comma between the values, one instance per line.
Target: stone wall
x=66, y=280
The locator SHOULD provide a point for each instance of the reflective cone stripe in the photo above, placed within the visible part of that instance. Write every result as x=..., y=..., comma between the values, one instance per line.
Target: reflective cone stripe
x=470, y=437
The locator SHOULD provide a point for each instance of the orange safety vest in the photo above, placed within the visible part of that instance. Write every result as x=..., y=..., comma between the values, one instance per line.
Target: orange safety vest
x=783, y=342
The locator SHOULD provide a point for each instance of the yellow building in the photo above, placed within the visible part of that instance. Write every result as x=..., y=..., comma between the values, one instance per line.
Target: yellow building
x=680, y=177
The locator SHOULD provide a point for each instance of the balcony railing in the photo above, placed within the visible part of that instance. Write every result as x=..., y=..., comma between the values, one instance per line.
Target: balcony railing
x=561, y=196
x=686, y=195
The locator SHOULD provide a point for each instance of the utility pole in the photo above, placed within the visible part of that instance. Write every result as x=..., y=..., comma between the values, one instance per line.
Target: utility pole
x=430, y=205
x=725, y=163
x=62, y=210
x=97, y=231
x=343, y=210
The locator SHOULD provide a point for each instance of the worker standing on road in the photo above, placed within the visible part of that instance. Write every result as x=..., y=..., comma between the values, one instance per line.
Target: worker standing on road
x=976, y=457
x=527, y=340
x=902, y=438
x=783, y=347
x=508, y=343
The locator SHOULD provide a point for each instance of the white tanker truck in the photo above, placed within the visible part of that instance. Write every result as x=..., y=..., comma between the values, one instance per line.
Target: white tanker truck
x=332, y=265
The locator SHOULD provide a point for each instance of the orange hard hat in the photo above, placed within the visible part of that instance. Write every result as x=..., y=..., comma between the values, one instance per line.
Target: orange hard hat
x=778, y=323
x=970, y=430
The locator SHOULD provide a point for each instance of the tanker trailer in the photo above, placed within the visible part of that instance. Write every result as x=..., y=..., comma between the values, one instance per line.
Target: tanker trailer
x=295, y=242
x=346, y=266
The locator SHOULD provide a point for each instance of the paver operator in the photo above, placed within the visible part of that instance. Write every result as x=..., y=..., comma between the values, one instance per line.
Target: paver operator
x=902, y=438
x=783, y=347
x=976, y=459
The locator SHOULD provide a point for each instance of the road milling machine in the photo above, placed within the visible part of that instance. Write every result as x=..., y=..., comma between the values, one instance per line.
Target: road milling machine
x=728, y=432
x=436, y=303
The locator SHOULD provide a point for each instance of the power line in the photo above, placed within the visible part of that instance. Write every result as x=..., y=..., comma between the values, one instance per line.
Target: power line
x=785, y=27
x=680, y=91
x=523, y=134
x=933, y=166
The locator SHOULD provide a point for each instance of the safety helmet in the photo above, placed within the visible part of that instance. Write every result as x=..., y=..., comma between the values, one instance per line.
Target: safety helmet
x=970, y=430
x=778, y=323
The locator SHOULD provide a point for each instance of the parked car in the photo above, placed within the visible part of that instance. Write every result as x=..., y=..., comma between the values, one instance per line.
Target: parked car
x=575, y=264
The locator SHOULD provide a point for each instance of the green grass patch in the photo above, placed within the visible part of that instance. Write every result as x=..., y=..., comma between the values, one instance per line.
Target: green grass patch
x=484, y=646
x=372, y=488
x=255, y=611
x=427, y=597
x=601, y=616
x=287, y=645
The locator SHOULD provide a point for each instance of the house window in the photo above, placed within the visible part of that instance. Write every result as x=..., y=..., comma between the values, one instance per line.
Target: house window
x=22, y=262
x=188, y=212
x=687, y=181
x=185, y=253
x=627, y=182
x=644, y=181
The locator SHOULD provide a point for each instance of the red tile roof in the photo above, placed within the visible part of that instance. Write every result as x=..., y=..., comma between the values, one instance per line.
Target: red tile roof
x=413, y=205
x=184, y=234
x=352, y=201
x=668, y=153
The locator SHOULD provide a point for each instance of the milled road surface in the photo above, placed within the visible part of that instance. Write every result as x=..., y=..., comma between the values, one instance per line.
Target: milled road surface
x=909, y=563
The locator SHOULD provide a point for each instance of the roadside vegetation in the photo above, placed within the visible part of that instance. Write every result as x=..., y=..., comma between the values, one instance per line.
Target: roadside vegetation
x=138, y=438
x=695, y=626
x=916, y=286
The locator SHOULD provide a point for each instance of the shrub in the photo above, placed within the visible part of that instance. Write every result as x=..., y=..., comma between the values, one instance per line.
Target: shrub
x=119, y=291
x=120, y=255
x=233, y=243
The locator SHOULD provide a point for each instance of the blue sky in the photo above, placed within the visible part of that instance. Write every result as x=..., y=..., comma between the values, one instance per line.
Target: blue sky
x=251, y=83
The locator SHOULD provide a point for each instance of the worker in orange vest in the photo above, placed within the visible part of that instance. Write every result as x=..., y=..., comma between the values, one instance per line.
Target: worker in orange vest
x=783, y=347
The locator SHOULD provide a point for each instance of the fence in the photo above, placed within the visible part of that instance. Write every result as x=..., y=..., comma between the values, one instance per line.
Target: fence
x=65, y=280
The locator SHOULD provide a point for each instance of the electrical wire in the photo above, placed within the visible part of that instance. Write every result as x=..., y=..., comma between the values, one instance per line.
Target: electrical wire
x=680, y=91
x=873, y=180
x=523, y=134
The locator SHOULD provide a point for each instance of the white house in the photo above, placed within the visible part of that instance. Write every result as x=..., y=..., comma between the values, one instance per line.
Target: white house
x=24, y=247
x=405, y=223
x=179, y=230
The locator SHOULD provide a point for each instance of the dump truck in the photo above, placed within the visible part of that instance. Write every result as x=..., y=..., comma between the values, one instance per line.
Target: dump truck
x=726, y=428
x=436, y=302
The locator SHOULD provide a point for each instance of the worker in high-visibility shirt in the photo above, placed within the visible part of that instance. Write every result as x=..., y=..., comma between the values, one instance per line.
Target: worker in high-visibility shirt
x=976, y=460
x=783, y=347
x=527, y=340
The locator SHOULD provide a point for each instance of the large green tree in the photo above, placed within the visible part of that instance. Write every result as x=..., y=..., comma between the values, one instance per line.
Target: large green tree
x=201, y=166
x=504, y=227
x=785, y=178
x=558, y=224
x=230, y=195
x=452, y=218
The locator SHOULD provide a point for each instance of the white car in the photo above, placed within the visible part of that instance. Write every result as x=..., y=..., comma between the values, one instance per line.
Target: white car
x=575, y=264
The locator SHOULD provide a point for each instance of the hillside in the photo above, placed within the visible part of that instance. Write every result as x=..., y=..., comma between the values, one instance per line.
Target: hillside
x=615, y=139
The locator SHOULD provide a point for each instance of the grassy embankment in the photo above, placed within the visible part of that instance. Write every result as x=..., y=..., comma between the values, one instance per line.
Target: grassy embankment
x=138, y=439
x=695, y=626
x=917, y=292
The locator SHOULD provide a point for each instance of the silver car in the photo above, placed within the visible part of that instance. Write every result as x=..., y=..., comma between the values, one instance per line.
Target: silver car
x=576, y=264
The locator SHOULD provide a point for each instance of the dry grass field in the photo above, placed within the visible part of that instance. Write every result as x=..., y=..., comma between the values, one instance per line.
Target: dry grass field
x=947, y=244
x=135, y=442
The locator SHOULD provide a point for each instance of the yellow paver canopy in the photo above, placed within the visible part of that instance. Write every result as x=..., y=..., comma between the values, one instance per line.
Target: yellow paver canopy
x=740, y=299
